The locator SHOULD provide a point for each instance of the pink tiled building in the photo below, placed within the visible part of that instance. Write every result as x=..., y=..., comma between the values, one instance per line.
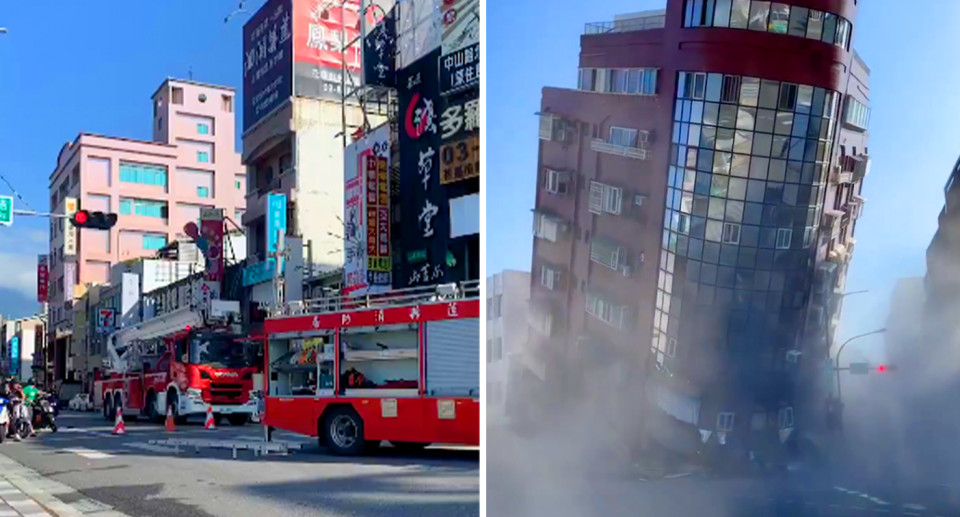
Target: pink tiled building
x=155, y=187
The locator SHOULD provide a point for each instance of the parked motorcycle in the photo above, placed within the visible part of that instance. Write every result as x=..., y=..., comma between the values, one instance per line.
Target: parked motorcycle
x=44, y=415
x=4, y=417
x=19, y=427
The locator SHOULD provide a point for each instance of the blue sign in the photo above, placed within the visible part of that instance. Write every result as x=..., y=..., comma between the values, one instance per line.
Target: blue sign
x=267, y=61
x=276, y=220
x=258, y=273
x=15, y=355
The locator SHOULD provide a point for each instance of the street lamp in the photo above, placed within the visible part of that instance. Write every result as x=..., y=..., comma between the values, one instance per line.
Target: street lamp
x=840, y=351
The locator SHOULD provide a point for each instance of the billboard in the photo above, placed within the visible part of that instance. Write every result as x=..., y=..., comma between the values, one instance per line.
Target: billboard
x=267, y=61
x=69, y=230
x=460, y=133
x=461, y=25
x=366, y=217
x=425, y=218
x=211, y=231
x=15, y=356
x=419, y=30
x=380, y=53
x=276, y=222
x=43, y=279
x=319, y=29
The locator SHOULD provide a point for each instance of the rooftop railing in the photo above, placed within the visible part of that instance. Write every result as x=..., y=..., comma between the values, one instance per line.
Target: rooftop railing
x=627, y=25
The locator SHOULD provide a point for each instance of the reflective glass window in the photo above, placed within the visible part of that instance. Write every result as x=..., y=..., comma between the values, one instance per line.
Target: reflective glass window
x=759, y=14
x=740, y=14
x=798, y=21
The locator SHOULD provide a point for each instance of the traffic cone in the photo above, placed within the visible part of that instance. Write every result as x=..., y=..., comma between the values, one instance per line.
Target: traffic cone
x=209, y=424
x=169, y=425
x=118, y=427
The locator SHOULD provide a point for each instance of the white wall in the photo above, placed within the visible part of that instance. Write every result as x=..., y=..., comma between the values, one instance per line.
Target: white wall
x=508, y=325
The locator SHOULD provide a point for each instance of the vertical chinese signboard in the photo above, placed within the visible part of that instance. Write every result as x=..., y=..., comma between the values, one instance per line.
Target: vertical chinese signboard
x=380, y=53
x=15, y=356
x=276, y=223
x=318, y=61
x=268, y=61
x=425, y=219
x=69, y=280
x=43, y=279
x=211, y=230
x=367, y=264
x=69, y=230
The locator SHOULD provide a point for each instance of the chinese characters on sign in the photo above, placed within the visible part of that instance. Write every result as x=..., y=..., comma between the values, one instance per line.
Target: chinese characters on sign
x=378, y=218
x=460, y=70
x=380, y=53
x=461, y=24
x=268, y=59
x=426, y=217
x=460, y=160
x=43, y=279
x=319, y=35
x=69, y=230
x=459, y=118
x=211, y=231
x=276, y=224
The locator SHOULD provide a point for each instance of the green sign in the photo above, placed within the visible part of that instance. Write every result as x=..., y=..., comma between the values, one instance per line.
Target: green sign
x=6, y=210
x=414, y=257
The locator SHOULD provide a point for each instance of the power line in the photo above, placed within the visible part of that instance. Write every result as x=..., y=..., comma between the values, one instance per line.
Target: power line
x=24, y=201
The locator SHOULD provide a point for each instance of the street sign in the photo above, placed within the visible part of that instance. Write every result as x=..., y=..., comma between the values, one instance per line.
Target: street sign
x=859, y=368
x=105, y=321
x=6, y=210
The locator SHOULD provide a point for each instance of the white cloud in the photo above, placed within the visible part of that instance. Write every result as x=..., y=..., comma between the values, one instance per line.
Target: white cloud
x=18, y=271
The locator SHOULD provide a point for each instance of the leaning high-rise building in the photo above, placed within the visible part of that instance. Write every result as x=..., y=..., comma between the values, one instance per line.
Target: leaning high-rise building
x=697, y=196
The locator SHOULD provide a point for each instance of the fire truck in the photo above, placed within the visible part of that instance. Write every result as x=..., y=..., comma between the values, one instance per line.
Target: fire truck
x=401, y=366
x=179, y=361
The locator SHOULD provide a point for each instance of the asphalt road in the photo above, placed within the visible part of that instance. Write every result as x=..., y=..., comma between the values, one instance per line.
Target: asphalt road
x=137, y=478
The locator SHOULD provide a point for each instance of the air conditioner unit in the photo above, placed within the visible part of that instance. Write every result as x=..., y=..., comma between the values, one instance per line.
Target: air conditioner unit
x=793, y=356
x=638, y=199
x=627, y=271
x=643, y=137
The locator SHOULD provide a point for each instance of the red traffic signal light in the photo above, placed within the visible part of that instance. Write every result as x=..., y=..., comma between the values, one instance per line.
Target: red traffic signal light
x=882, y=368
x=886, y=368
x=95, y=220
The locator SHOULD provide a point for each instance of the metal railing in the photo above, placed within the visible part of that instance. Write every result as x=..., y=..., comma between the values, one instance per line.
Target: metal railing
x=469, y=289
x=627, y=25
x=602, y=146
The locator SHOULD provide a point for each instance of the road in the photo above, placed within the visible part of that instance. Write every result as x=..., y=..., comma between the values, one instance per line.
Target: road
x=528, y=478
x=95, y=470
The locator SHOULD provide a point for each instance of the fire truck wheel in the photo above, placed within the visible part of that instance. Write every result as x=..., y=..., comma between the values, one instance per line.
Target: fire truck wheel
x=409, y=446
x=343, y=431
x=150, y=408
x=107, y=407
x=173, y=403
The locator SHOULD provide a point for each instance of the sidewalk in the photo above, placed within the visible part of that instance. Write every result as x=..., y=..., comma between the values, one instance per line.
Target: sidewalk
x=25, y=493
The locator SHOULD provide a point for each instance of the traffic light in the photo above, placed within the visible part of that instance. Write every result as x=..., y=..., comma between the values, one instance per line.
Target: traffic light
x=95, y=220
x=884, y=368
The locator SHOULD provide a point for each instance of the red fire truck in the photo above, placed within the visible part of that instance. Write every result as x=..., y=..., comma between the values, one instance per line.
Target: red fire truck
x=177, y=361
x=403, y=367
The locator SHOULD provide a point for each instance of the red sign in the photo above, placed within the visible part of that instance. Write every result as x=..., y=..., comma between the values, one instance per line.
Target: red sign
x=211, y=231
x=43, y=279
x=434, y=311
x=317, y=39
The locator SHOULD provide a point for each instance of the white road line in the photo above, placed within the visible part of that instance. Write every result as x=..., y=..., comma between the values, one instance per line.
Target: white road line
x=841, y=489
x=90, y=454
x=9, y=513
x=150, y=447
x=917, y=507
x=879, y=501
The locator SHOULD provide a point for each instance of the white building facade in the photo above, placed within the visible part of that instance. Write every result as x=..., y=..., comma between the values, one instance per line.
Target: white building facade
x=507, y=297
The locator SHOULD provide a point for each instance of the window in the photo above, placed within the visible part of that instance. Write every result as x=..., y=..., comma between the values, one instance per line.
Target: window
x=605, y=198
x=740, y=14
x=587, y=79
x=606, y=254
x=779, y=18
x=549, y=278
x=143, y=207
x=725, y=422
x=785, y=417
x=721, y=17
x=546, y=227
x=154, y=242
x=671, y=350
x=784, y=238
x=788, y=97
x=731, y=233
x=649, y=83
x=609, y=313
x=759, y=14
x=624, y=137
x=203, y=156
x=238, y=215
x=855, y=113
x=177, y=95
x=731, y=89
x=556, y=182
x=551, y=128
x=798, y=21
x=203, y=192
x=144, y=174
x=227, y=103
x=237, y=184
x=699, y=85
x=203, y=129
x=815, y=24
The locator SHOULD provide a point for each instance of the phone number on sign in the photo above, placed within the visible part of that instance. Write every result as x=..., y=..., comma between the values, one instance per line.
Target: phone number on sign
x=460, y=160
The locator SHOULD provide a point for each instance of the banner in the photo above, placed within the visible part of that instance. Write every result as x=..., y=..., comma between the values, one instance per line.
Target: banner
x=211, y=231
x=69, y=230
x=319, y=34
x=460, y=70
x=43, y=279
x=461, y=25
x=69, y=280
x=276, y=223
x=425, y=219
x=268, y=61
x=380, y=53
x=15, y=356
x=367, y=264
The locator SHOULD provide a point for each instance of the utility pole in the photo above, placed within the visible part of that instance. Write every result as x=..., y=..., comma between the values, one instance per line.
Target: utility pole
x=840, y=351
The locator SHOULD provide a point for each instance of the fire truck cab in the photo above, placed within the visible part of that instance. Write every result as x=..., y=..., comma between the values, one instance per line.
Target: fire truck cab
x=402, y=366
x=177, y=362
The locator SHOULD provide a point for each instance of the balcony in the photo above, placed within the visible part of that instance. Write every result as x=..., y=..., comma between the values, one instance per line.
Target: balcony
x=831, y=222
x=645, y=21
x=549, y=227
x=602, y=146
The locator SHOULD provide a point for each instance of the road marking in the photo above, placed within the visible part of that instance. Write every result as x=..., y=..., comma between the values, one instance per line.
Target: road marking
x=917, y=507
x=151, y=448
x=90, y=454
x=879, y=501
x=9, y=513
x=841, y=489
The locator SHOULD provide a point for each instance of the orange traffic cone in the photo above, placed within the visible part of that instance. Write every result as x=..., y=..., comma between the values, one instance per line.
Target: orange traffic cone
x=118, y=427
x=209, y=424
x=169, y=425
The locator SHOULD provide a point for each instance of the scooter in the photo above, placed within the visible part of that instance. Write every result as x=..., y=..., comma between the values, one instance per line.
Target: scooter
x=4, y=417
x=44, y=415
x=19, y=427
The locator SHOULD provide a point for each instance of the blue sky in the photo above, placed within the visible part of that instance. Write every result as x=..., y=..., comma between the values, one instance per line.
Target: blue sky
x=67, y=67
x=914, y=131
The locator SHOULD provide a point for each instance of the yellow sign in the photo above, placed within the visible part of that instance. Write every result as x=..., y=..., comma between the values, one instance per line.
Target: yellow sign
x=69, y=231
x=460, y=160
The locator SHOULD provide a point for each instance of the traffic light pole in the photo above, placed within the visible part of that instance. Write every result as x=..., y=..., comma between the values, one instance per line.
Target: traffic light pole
x=33, y=213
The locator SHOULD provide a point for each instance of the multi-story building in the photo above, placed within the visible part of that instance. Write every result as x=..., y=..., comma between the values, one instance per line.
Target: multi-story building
x=20, y=340
x=697, y=195
x=156, y=187
x=507, y=294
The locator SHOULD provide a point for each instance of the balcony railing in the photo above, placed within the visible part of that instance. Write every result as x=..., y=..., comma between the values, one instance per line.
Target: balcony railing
x=627, y=25
x=602, y=146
